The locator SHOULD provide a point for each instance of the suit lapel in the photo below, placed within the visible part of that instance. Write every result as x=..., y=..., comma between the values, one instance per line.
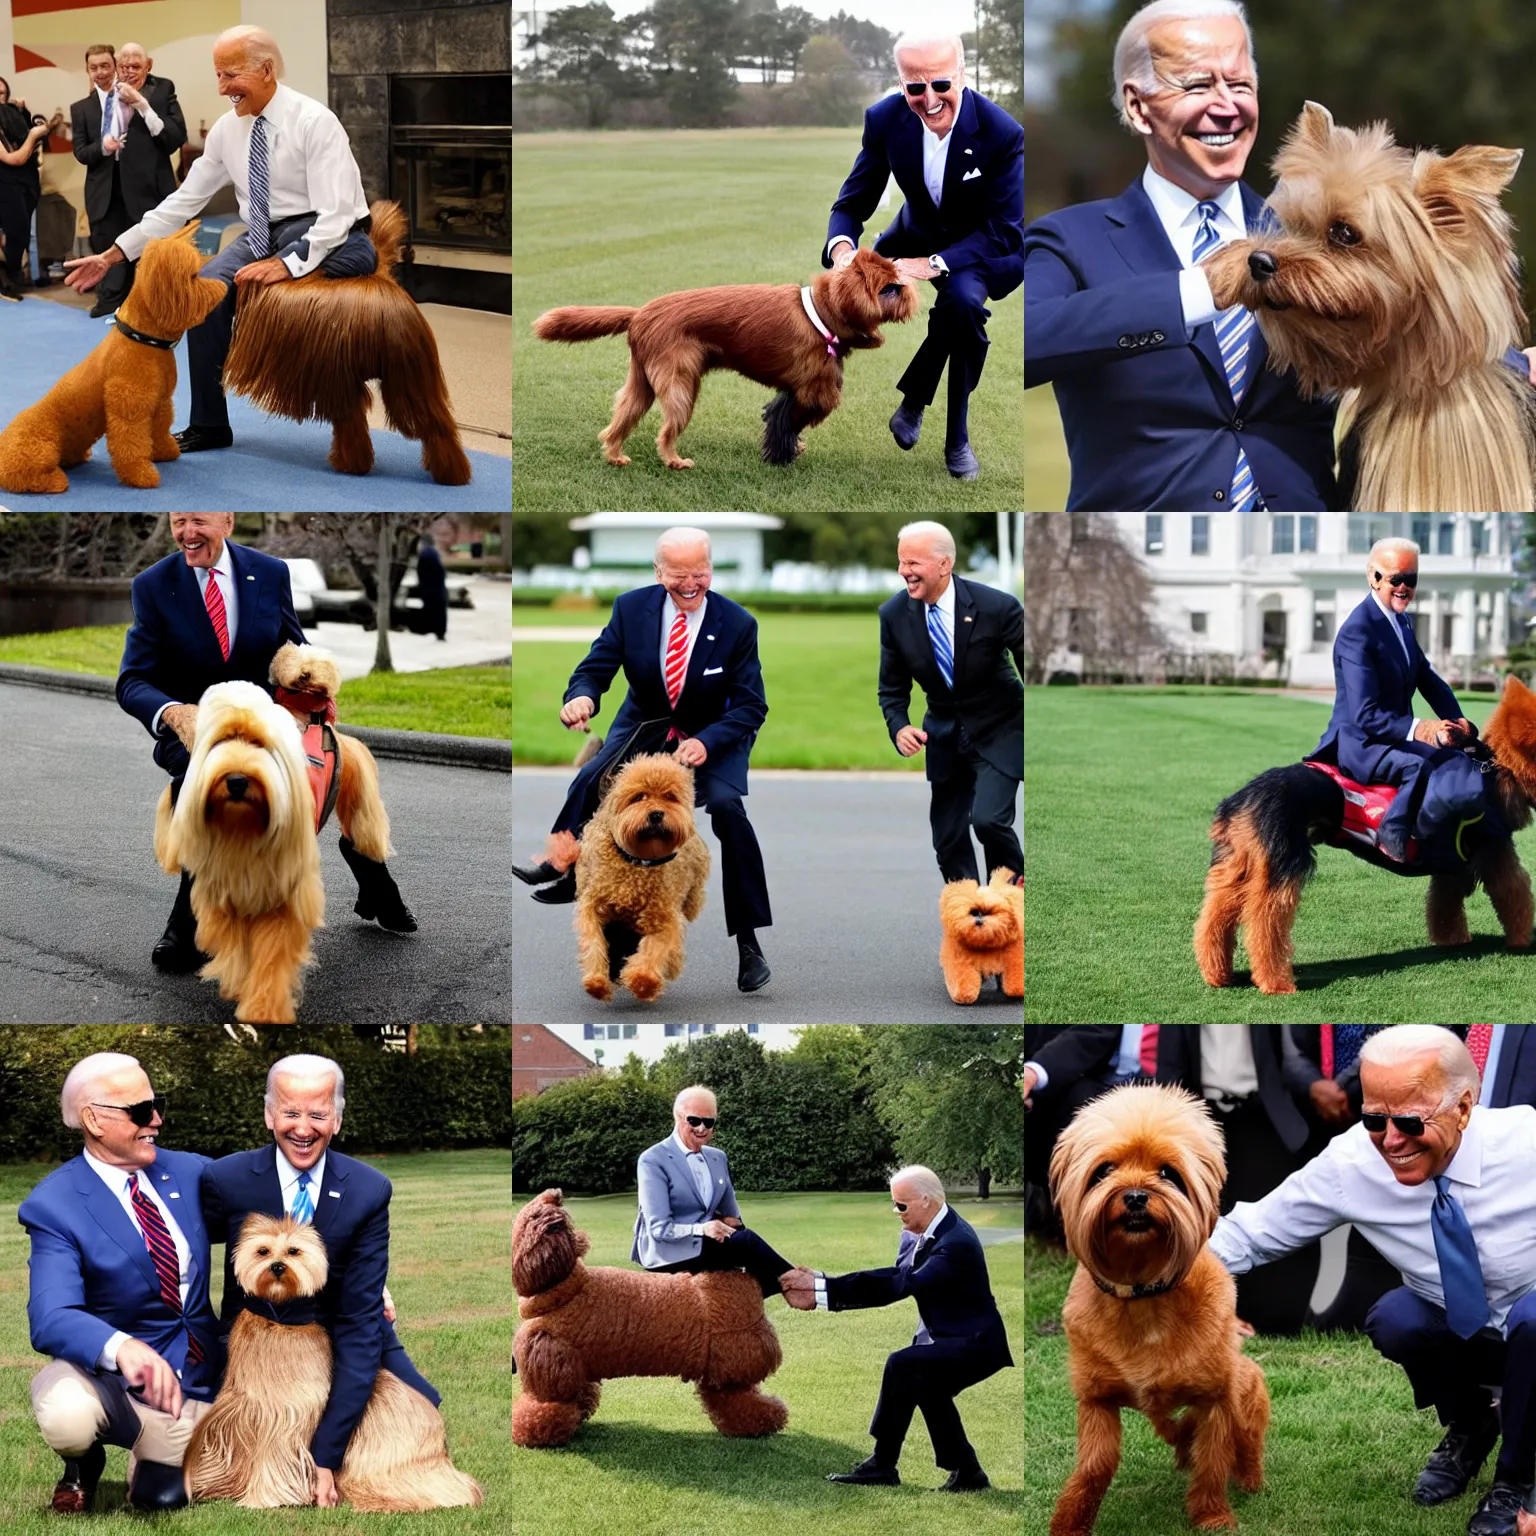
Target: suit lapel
x=704, y=645
x=333, y=1194
x=184, y=1211
x=909, y=173
x=1392, y=641
x=965, y=622
x=108, y=1213
x=1506, y=1073
x=193, y=607
x=652, y=627
x=961, y=137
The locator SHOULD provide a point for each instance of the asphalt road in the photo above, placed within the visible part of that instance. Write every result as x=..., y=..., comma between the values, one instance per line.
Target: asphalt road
x=855, y=894
x=82, y=900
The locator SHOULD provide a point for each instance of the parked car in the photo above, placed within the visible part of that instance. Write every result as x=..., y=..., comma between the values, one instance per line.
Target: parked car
x=314, y=602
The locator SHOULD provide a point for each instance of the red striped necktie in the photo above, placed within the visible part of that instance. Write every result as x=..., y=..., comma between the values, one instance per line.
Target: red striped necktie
x=677, y=658
x=162, y=1253
x=1479, y=1038
x=216, y=615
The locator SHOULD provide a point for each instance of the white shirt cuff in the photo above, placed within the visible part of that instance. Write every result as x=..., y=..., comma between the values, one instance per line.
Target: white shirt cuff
x=107, y=1359
x=1042, y=1077
x=151, y=118
x=154, y=725
x=1195, y=298
x=696, y=1229
x=838, y=240
x=1413, y=725
x=821, y=1292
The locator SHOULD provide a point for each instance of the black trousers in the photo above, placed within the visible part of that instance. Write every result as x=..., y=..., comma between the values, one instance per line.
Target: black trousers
x=975, y=797
x=744, y=1249
x=957, y=336
x=113, y=288
x=929, y=1377
x=17, y=200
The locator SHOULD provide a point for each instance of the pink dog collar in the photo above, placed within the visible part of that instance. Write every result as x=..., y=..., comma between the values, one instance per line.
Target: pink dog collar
x=835, y=348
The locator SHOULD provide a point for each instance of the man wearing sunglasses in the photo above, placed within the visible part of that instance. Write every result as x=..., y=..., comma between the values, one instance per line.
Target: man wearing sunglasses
x=959, y=161
x=1440, y=1187
x=118, y=1300
x=689, y=1220
x=1373, y=735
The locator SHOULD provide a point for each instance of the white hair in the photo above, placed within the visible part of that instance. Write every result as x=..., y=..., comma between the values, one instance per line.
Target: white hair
x=1403, y=1043
x=912, y=42
x=1395, y=546
x=309, y=1066
x=84, y=1076
x=123, y=48
x=936, y=533
x=709, y=1093
x=924, y=1180
x=683, y=538
x=1133, y=51
x=260, y=46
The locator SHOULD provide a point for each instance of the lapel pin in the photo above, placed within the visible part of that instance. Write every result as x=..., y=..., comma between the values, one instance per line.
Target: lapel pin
x=175, y=1195
x=967, y=151
x=709, y=637
x=967, y=618
x=335, y=1194
x=252, y=578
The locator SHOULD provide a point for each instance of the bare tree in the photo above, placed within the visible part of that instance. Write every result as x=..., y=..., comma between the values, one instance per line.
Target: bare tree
x=382, y=661
x=74, y=546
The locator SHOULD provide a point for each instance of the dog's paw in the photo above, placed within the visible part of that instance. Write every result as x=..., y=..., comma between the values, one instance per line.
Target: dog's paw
x=598, y=986
x=618, y=460
x=641, y=980
x=142, y=477
x=679, y=463
x=1213, y=1520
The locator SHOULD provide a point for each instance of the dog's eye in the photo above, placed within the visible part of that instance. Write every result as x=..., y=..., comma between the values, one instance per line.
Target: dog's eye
x=636, y=799
x=261, y=1253
x=1172, y=1176
x=1101, y=1173
x=293, y=1253
x=1340, y=233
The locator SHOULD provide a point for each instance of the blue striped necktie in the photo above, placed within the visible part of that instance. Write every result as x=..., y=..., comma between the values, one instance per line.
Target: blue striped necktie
x=303, y=1206
x=941, y=647
x=258, y=220
x=1461, y=1274
x=1233, y=328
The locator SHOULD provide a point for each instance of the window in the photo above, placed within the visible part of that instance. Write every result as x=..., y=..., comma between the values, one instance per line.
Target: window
x=1322, y=627
x=752, y=1029
x=1365, y=528
x=1447, y=632
x=1479, y=535
x=1419, y=530
x=1282, y=533
x=671, y=1029
x=1307, y=543
x=1197, y=623
x=1200, y=533
x=1445, y=538
x=1154, y=533
x=589, y=1031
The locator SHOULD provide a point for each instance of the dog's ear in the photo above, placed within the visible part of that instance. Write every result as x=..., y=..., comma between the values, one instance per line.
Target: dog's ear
x=552, y=1197
x=1314, y=125
x=1459, y=191
x=186, y=232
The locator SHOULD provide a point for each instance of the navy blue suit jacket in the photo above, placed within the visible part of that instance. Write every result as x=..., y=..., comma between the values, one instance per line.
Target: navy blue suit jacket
x=1374, y=685
x=352, y=1216
x=171, y=655
x=91, y=1274
x=979, y=223
x=1514, y=1079
x=1149, y=417
x=722, y=702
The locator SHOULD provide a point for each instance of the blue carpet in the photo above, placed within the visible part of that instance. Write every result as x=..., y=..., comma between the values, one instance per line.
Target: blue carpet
x=274, y=466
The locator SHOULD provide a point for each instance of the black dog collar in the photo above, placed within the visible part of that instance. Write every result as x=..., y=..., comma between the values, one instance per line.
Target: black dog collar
x=290, y=1314
x=149, y=341
x=629, y=858
x=1132, y=1292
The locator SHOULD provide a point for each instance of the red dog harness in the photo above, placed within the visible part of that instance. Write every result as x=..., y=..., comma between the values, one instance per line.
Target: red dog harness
x=322, y=749
x=1365, y=805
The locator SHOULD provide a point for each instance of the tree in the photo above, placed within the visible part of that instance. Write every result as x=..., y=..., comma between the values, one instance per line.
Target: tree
x=692, y=45
x=868, y=43
x=382, y=661
x=829, y=91
x=586, y=53
x=71, y=546
x=999, y=52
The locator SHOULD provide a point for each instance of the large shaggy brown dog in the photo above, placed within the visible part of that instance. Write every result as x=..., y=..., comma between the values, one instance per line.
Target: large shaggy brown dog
x=1262, y=854
x=307, y=349
x=123, y=388
x=1151, y=1316
x=983, y=935
x=581, y=1325
x=252, y=1446
x=761, y=330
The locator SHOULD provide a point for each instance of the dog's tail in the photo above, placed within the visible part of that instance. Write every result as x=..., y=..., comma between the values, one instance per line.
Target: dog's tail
x=387, y=232
x=583, y=322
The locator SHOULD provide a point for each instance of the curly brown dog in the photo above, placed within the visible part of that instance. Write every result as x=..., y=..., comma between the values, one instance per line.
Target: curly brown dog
x=123, y=388
x=983, y=935
x=580, y=1325
x=761, y=330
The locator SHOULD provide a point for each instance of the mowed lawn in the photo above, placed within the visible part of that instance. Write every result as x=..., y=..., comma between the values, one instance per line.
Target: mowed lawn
x=1046, y=471
x=620, y=218
x=1343, y=1449
x=649, y=1463
x=1119, y=789
x=448, y=1274
x=819, y=672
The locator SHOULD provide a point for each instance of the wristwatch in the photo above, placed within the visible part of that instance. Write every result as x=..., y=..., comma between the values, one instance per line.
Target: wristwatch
x=939, y=265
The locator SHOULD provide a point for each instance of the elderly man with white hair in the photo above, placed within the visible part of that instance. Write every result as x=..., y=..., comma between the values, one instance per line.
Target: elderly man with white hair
x=1372, y=734
x=300, y=194
x=962, y=643
x=689, y=657
x=1440, y=1187
x=118, y=1292
x=298, y=1173
x=941, y=1265
x=959, y=161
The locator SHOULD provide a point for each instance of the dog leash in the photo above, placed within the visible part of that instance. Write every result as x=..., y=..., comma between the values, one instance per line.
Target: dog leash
x=835, y=347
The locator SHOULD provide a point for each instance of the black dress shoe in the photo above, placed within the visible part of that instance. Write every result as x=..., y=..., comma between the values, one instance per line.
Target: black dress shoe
x=176, y=952
x=752, y=972
x=157, y=1487
x=961, y=462
x=1456, y=1460
x=198, y=439
x=536, y=874
x=560, y=894
x=102, y=309
x=868, y=1471
x=76, y=1488
x=906, y=424
x=1497, y=1514
x=971, y=1480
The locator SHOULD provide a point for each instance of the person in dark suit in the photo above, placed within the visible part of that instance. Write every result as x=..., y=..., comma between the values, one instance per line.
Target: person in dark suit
x=432, y=589
x=212, y=613
x=1065, y=1066
x=954, y=639
x=118, y=1292
x=940, y=1264
x=1165, y=401
x=689, y=657
x=20, y=186
x=299, y=1174
x=959, y=161
x=1372, y=734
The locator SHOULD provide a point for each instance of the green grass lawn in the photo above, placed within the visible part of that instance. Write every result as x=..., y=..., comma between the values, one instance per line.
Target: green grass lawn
x=457, y=701
x=448, y=1273
x=1119, y=789
x=1344, y=1445
x=1046, y=471
x=819, y=671
x=650, y=1464
x=621, y=218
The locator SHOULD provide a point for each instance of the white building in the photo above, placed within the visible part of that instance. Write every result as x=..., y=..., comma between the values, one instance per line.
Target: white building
x=1277, y=585
x=623, y=549
x=613, y=1044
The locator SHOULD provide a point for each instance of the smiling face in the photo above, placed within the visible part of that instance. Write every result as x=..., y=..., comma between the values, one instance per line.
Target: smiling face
x=685, y=571
x=920, y=1208
x=110, y=1134
x=248, y=85
x=698, y=1103
x=302, y=1116
x=925, y=571
x=200, y=535
x=1200, y=126
x=1414, y=1087
x=1384, y=568
x=102, y=68
x=132, y=65
x=927, y=63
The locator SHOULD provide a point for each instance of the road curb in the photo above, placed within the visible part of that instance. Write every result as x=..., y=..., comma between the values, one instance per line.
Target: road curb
x=408, y=746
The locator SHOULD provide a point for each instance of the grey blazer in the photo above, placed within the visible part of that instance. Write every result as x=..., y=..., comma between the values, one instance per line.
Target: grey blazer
x=669, y=1201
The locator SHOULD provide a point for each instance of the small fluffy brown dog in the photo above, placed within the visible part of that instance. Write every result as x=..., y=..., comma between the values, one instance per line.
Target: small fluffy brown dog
x=252, y=1446
x=1151, y=1316
x=983, y=935
x=123, y=388
x=580, y=1325
x=307, y=349
x=1395, y=278
x=760, y=330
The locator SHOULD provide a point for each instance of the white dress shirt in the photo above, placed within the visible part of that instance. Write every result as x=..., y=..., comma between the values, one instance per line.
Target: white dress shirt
x=1350, y=1181
x=669, y=613
x=309, y=169
x=1179, y=214
x=1226, y=1062
x=698, y=1169
x=288, y=1178
x=935, y=158
x=224, y=566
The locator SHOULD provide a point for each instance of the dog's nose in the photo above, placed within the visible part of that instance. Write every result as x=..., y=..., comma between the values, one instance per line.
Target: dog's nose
x=1135, y=1199
x=1262, y=265
x=656, y=818
x=280, y=1269
x=236, y=783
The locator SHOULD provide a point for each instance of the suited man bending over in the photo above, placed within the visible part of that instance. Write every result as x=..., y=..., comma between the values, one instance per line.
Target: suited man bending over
x=689, y=1220
x=954, y=639
x=961, y=1340
x=118, y=1292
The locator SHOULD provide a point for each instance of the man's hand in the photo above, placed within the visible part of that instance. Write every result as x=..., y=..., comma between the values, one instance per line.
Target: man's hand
x=915, y=269
x=1435, y=733
x=141, y=1367
x=325, y=1488
x=109, y=145
x=1246, y=1330
x=182, y=718
x=128, y=94
x=735, y=1223
x=389, y=1306
x=272, y=270
x=691, y=753
x=1530, y=362
x=1329, y=1100
x=799, y=1288
x=717, y=1230
x=843, y=254
x=84, y=272
x=1029, y=1087
x=910, y=740
x=574, y=716
x=1460, y=731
